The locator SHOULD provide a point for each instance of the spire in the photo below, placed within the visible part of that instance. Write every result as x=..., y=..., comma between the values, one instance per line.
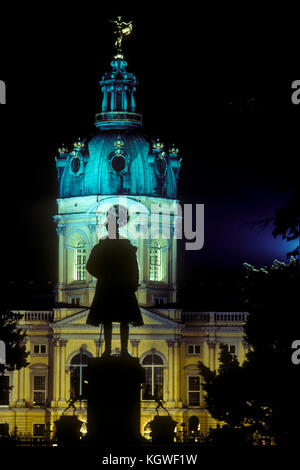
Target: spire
x=118, y=87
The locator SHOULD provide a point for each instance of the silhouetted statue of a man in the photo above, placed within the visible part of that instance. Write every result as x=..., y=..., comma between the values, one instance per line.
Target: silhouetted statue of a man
x=113, y=262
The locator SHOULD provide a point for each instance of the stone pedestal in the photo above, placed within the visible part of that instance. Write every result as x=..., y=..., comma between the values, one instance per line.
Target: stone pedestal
x=114, y=393
x=162, y=429
x=68, y=430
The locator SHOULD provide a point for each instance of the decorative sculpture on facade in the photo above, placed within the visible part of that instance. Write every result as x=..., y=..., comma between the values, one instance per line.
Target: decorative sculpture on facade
x=122, y=30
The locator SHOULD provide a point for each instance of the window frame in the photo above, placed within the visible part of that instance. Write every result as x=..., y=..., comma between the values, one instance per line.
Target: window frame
x=81, y=375
x=193, y=391
x=80, y=267
x=228, y=346
x=155, y=268
x=39, y=345
x=34, y=390
x=153, y=367
x=77, y=300
x=194, y=345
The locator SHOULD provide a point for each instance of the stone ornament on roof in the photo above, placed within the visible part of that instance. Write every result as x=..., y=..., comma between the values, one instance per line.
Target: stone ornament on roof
x=121, y=31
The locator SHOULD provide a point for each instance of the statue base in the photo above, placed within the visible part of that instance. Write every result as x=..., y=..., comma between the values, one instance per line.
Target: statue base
x=162, y=429
x=114, y=394
x=68, y=430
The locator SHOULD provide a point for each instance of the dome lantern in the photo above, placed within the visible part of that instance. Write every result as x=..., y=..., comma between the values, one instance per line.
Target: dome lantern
x=118, y=87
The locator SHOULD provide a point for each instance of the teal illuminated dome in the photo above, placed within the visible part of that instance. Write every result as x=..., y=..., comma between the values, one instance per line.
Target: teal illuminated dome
x=118, y=159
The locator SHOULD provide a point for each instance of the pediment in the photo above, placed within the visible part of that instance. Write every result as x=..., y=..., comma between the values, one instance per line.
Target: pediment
x=151, y=319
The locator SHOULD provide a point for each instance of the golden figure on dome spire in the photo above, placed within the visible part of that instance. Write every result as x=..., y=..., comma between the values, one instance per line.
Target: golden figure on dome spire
x=121, y=30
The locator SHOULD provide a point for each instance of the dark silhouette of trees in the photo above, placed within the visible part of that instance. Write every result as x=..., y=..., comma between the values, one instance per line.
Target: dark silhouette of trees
x=14, y=339
x=261, y=396
x=287, y=222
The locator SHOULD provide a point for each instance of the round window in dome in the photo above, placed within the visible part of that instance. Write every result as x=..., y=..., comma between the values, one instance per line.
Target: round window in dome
x=75, y=164
x=118, y=163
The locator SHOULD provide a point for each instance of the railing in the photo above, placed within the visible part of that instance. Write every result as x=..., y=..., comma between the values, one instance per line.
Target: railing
x=118, y=116
x=38, y=316
x=195, y=316
x=214, y=317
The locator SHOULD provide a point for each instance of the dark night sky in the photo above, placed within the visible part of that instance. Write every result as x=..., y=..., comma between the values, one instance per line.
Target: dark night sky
x=241, y=165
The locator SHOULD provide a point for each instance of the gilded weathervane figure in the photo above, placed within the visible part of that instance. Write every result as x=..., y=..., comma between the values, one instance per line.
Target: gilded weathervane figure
x=122, y=30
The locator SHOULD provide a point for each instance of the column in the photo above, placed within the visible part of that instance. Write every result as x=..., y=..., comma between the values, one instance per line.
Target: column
x=177, y=372
x=124, y=99
x=15, y=391
x=135, y=346
x=246, y=349
x=21, y=381
x=132, y=102
x=171, y=344
x=142, y=253
x=55, y=371
x=104, y=101
x=112, y=99
x=27, y=385
x=61, y=230
x=62, y=351
x=211, y=344
x=173, y=271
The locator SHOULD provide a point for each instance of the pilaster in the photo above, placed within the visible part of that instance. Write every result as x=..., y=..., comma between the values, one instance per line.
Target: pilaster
x=62, y=365
x=135, y=347
x=212, y=353
x=171, y=344
x=55, y=371
x=177, y=373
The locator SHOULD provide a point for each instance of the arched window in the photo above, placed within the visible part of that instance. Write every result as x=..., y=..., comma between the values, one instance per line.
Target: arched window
x=80, y=261
x=154, y=377
x=193, y=424
x=78, y=372
x=155, y=261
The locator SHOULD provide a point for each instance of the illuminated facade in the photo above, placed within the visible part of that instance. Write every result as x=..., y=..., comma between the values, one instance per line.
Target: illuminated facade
x=117, y=166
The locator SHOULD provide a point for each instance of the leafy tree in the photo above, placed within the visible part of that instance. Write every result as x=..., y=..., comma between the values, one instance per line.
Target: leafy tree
x=287, y=222
x=272, y=300
x=224, y=389
x=261, y=395
x=14, y=339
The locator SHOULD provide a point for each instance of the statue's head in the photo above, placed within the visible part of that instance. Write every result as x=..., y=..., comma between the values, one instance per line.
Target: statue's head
x=117, y=217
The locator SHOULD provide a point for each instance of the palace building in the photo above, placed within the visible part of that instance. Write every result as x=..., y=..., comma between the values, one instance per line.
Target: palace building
x=118, y=165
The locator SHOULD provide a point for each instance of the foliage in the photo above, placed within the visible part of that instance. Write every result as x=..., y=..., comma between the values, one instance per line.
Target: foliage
x=287, y=221
x=14, y=339
x=261, y=395
x=225, y=395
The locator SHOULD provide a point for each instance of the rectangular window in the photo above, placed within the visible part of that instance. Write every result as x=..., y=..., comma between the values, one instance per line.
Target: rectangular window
x=159, y=301
x=155, y=261
x=4, y=390
x=39, y=389
x=39, y=430
x=75, y=300
x=40, y=349
x=230, y=348
x=193, y=349
x=80, y=262
x=194, y=390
